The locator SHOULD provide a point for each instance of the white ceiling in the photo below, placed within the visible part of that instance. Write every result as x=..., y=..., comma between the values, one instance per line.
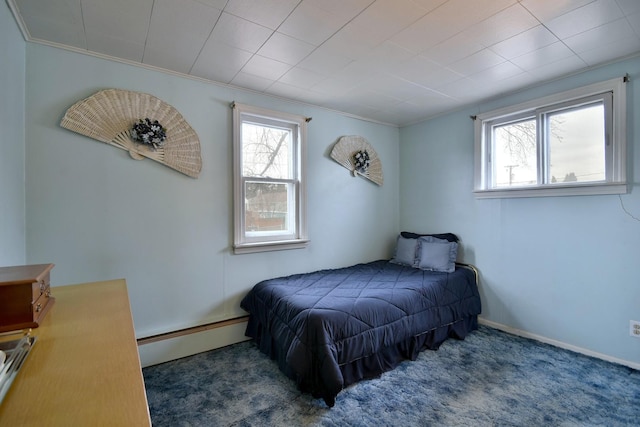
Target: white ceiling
x=392, y=61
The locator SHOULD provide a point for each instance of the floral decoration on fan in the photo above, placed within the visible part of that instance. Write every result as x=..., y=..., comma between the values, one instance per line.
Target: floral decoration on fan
x=361, y=161
x=149, y=132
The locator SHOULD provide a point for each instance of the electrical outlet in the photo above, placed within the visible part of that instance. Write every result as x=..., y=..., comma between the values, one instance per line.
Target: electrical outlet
x=634, y=328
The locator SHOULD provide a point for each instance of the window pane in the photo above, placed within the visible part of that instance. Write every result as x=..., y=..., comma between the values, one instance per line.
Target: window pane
x=514, y=154
x=266, y=151
x=577, y=145
x=267, y=207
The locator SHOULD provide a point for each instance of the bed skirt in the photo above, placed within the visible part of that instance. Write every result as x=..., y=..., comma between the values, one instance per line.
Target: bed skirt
x=370, y=366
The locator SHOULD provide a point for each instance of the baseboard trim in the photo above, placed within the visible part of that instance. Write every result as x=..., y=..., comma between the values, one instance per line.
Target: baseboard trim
x=190, y=341
x=192, y=330
x=556, y=343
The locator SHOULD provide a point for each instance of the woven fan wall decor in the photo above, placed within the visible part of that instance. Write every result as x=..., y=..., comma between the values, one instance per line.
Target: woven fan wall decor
x=109, y=115
x=350, y=150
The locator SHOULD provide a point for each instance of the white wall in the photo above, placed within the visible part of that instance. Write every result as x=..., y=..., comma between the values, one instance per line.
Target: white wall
x=560, y=268
x=12, y=195
x=97, y=214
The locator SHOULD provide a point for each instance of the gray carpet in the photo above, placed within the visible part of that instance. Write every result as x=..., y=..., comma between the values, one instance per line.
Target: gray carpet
x=489, y=379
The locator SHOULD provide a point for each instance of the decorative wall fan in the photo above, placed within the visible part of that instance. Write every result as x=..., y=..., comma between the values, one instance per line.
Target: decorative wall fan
x=116, y=117
x=357, y=155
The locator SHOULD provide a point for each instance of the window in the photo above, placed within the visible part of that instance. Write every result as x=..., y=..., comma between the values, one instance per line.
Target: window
x=269, y=192
x=566, y=144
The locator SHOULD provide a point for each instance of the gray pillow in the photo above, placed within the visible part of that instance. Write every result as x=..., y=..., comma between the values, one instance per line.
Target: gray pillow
x=405, y=252
x=437, y=254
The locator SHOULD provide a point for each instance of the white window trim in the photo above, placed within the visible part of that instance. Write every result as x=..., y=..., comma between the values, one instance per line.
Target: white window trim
x=617, y=184
x=242, y=245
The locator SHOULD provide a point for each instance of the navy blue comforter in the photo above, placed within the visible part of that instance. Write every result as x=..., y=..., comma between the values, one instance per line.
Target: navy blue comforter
x=316, y=324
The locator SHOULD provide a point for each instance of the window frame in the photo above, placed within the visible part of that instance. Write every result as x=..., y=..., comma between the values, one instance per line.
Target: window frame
x=243, y=241
x=615, y=140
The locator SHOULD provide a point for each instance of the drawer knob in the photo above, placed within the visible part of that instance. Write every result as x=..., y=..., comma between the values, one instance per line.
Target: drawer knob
x=38, y=307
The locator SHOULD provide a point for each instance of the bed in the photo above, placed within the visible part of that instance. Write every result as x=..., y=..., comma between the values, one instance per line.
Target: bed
x=331, y=328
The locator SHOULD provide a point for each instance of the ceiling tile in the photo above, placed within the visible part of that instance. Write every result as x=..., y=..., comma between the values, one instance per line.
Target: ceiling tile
x=634, y=21
x=558, y=68
x=240, y=33
x=266, y=13
x=427, y=73
x=111, y=32
x=432, y=98
x=387, y=57
x=466, y=88
x=312, y=24
x=477, y=62
x=365, y=96
x=608, y=52
x=446, y=21
x=335, y=87
x=287, y=91
x=220, y=62
x=58, y=21
x=510, y=84
x=592, y=15
x=525, y=42
x=353, y=41
x=302, y=78
x=453, y=49
x=345, y=9
x=547, y=10
x=107, y=18
x=629, y=7
x=395, y=87
x=504, y=24
x=285, y=49
x=357, y=72
x=115, y=47
x=497, y=73
x=174, y=59
x=388, y=17
x=541, y=57
x=265, y=67
x=251, y=81
x=178, y=33
x=601, y=36
x=325, y=61
x=429, y=5
x=218, y=4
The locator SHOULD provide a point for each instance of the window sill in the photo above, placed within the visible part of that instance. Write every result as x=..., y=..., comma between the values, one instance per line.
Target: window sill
x=553, y=191
x=247, y=248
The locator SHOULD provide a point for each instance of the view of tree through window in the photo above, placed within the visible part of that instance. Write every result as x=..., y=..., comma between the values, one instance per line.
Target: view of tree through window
x=266, y=156
x=564, y=144
x=515, y=157
x=575, y=148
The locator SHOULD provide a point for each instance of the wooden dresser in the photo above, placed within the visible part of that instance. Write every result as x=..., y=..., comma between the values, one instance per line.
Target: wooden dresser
x=84, y=368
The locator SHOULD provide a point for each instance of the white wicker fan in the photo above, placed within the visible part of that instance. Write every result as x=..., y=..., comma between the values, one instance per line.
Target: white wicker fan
x=345, y=150
x=110, y=114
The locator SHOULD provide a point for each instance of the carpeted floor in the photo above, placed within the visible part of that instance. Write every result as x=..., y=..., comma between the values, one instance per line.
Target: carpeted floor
x=489, y=379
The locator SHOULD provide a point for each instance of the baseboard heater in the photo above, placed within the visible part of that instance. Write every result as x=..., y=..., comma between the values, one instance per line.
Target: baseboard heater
x=191, y=330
